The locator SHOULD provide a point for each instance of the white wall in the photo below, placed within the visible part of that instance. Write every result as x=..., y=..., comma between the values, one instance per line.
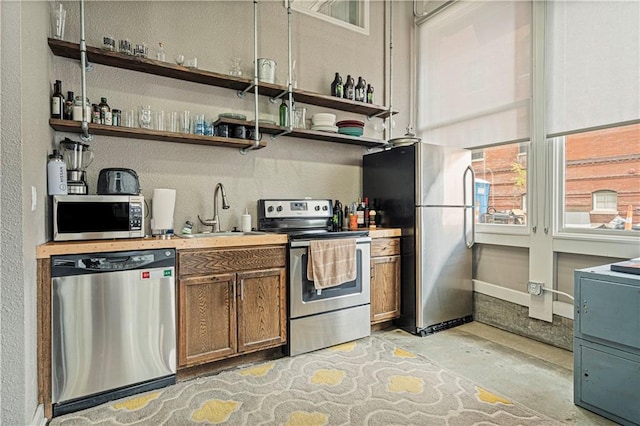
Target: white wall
x=25, y=142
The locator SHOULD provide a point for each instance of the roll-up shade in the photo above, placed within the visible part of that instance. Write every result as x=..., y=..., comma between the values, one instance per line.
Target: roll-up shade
x=474, y=72
x=592, y=64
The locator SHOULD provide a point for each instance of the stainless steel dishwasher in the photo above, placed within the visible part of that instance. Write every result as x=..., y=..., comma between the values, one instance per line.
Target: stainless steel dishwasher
x=113, y=326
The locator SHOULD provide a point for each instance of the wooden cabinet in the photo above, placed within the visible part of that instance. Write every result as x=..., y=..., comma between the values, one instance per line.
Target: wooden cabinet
x=385, y=279
x=231, y=301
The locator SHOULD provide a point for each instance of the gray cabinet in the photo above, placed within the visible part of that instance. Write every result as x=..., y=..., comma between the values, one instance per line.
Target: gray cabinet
x=607, y=343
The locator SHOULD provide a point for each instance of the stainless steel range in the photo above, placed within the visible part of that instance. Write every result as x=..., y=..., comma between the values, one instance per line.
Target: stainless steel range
x=319, y=318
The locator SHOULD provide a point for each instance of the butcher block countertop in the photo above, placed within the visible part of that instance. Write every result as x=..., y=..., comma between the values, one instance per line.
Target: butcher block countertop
x=97, y=246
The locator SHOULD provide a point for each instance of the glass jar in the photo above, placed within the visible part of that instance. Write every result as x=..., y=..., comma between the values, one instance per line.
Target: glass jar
x=144, y=117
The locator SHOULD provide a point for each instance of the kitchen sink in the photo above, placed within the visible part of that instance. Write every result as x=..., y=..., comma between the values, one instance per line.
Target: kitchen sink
x=221, y=234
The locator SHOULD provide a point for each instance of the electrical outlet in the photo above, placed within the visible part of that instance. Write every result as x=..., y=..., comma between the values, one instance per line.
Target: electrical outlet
x=535, y=288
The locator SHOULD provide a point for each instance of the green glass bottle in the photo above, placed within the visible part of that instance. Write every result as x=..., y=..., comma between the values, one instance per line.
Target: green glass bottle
x=284, y=114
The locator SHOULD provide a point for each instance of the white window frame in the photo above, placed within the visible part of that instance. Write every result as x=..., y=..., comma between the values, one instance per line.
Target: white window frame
x=598, y=242
x=364, y=29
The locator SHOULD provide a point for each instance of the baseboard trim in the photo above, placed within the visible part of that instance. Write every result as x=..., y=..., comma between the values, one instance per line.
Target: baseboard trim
x=521, y=298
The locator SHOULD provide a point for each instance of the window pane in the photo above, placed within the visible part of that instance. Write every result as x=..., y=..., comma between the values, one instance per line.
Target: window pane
x=474, y=68
x=501, y=185
x=602, y=179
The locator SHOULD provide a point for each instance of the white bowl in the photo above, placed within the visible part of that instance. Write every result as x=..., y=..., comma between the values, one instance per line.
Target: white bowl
x=323, y=119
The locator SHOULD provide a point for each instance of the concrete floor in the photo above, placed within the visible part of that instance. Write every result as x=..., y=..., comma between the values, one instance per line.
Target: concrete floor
x=534, y=374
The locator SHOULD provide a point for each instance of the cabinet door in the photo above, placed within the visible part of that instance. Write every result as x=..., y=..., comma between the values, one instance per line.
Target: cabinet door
x=385, y=288
x=207, y=316
x=262, y=314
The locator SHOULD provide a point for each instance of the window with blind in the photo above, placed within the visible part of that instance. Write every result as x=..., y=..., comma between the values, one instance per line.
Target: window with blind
x=474, y=86
x=474, y=70
x=593, y=112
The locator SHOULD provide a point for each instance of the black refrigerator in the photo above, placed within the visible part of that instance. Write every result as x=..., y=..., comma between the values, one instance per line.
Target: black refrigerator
x=427, y=191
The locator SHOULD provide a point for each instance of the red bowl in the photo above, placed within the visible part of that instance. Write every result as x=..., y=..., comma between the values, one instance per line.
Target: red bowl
x=350, y=123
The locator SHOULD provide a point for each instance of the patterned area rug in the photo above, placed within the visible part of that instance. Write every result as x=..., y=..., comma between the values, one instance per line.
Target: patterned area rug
x=367, y=382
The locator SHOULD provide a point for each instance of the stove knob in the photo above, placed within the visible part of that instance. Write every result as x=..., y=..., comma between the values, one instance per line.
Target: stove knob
x=279, y=208
x=317, y=208
x=270, y=209
x=324, y=208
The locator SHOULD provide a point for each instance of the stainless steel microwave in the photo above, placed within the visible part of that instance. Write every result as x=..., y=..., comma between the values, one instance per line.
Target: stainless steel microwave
x=97, y=217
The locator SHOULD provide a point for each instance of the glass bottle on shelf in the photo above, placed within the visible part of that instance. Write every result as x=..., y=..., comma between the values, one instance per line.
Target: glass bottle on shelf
x=160, y=54
x=336, y=86
x=349, y=88
x=68, y=107
x=105, y=112
x=57, y=101
x=360, y=213
x=369, y=94
x=284, y=114
x=360, y=90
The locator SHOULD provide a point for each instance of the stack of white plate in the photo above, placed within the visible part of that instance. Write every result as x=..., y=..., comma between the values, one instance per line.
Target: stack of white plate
x=324, y=122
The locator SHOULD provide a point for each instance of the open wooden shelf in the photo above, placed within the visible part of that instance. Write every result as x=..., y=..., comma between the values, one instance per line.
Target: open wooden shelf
x=148, y=134
x=272, y=129
x=167, y=69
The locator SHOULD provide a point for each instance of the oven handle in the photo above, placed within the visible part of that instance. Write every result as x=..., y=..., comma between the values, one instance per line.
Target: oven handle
x=305, y=243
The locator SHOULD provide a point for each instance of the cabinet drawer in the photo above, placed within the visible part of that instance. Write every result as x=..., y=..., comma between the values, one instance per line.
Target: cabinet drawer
x=607, y=381
x=385, y=246
x=207, y=261
x=609, y=311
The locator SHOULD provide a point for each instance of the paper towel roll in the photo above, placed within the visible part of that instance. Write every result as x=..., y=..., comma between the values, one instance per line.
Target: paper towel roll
x=163, y=204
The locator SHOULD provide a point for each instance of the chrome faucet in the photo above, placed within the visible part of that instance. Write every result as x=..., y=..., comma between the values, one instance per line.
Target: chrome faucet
x=215, y=222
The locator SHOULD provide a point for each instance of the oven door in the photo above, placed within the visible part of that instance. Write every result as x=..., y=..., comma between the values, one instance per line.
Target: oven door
x=305, y=300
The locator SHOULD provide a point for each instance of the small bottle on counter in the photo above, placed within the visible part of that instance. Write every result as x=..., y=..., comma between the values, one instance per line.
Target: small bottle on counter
x=367, y=212
x=372, y=215
x=345, y=217
x=246, y=221
x=337, y=221
x=68, y=107
x=57, y=101
x=360, y=213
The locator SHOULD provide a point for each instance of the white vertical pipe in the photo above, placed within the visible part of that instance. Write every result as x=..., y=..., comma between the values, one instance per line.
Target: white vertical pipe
x=83, y=75
x=289, y=85
x=390, y=118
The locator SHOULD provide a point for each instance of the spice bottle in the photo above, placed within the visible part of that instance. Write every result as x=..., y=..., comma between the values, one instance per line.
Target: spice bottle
x=57, y=101
x=95, y=113
x=77, y=109
x=105, y=112
x=67, y=112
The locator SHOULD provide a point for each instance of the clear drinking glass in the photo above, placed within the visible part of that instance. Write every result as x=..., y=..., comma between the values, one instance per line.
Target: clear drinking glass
x=185, y=121
x=128, y=119
x=144, y=117
x=172, y=122
x=58, y=17
x=158, y=120
x=198, y=124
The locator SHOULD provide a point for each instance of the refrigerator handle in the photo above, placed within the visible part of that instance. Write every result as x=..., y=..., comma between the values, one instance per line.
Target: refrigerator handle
x=469, y=169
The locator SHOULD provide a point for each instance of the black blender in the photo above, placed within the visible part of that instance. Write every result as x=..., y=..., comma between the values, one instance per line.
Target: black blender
x=77, y=156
